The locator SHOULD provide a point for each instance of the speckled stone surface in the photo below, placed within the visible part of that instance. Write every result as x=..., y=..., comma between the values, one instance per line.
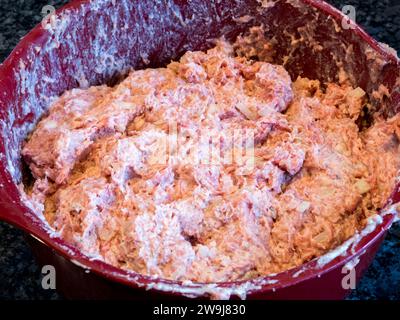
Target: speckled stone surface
x=20, y=276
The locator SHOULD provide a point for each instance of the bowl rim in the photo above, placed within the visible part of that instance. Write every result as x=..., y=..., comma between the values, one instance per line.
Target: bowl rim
x=30, y=223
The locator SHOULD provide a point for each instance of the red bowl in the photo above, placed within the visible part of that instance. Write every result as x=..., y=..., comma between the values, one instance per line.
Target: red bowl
x=92, y=42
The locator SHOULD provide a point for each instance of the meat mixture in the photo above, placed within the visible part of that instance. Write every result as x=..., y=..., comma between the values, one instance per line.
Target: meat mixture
x=215, y=168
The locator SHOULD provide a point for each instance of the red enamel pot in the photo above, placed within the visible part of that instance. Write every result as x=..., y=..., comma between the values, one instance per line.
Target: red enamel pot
x=92, y=42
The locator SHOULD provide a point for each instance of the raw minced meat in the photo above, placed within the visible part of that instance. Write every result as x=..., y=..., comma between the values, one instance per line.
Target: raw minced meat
x=215, y=168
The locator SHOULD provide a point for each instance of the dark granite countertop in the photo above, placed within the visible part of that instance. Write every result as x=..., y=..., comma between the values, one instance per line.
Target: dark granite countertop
x=20, y=277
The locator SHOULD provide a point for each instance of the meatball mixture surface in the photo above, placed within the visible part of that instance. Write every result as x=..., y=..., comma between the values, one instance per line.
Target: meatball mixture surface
x=215, y=168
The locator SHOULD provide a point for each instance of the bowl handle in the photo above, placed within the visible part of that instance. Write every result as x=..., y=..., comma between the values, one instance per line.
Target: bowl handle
x=11, y=209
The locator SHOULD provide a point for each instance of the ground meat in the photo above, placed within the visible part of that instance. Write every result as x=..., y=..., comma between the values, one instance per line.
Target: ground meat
x=215, y=168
